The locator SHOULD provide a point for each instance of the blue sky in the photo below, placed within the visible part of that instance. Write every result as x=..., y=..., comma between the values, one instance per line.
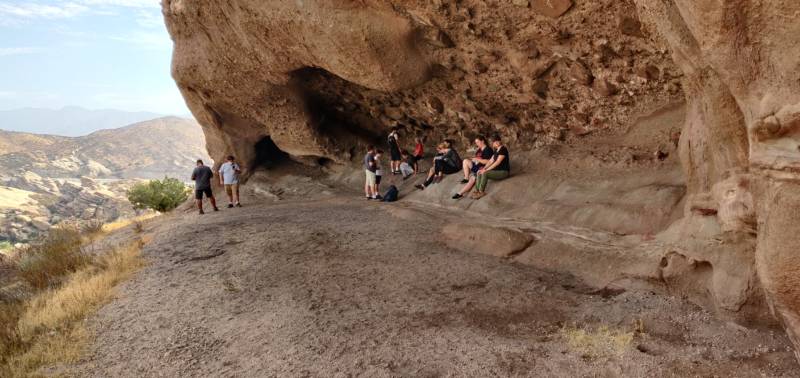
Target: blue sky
x=92, y=53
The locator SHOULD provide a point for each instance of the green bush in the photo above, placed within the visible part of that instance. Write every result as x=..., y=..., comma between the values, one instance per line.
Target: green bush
x=159, y=195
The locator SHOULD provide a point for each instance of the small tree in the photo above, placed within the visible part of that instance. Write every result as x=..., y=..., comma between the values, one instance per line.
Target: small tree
x=159, y=195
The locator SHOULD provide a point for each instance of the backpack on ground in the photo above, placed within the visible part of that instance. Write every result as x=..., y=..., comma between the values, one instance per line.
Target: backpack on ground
x=391, y=194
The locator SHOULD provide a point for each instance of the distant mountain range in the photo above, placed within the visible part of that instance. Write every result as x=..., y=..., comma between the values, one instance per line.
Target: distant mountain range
x=47, y=179
x=68, y=121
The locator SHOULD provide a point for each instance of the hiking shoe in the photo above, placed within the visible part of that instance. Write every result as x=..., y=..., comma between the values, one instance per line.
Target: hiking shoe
x=420, y=186
x=464, y=181
x=230, y=205
x=478, y=195
x=457, y=196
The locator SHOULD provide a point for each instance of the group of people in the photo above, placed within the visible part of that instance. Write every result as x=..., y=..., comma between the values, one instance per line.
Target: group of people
x=491, y=162
x=401, y=163
x=228, y=178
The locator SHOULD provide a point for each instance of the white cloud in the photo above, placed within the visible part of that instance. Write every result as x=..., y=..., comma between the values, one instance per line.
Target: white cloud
x=125, y=3
x=12, y=12
x=147, y=40
x=9, y=51
x=37, y=10
x=149, y=19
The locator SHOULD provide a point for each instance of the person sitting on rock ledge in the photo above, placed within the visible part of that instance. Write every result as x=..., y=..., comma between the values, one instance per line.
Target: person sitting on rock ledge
x=497, y=169
x=445, y=162
x=406, y=167
x=202, y=186
x=471, y=166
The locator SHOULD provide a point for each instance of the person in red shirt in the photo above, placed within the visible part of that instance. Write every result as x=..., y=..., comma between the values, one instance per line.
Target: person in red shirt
x=419, y=152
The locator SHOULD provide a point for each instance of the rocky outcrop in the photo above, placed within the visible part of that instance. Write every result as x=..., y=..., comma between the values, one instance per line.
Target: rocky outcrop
x=318, y=80
x=321, y=79
x=743, y=144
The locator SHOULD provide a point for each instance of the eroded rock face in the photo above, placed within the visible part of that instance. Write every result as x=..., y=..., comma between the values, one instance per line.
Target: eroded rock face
x=744, y=125
x=323, y=78
x=320, y=79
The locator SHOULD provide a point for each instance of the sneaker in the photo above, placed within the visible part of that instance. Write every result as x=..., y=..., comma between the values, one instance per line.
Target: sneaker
x=420, y=186
x=457, y=196
x=464, y=181
x=369, y=198
x=230, y=205
x=216, y=209
x=238, y=204
x=202, y=212
x=378, y=197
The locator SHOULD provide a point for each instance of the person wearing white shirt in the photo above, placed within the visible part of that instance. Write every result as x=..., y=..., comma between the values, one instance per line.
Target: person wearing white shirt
x=229, y=177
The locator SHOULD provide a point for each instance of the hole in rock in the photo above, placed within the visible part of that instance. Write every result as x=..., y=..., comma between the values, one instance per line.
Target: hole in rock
x=330, y=113
x=268, y=155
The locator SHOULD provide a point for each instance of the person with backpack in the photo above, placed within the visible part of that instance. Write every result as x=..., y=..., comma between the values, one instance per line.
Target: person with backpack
x=471, y=166
x=498, y=168
x=445, y=162
x=394, y=150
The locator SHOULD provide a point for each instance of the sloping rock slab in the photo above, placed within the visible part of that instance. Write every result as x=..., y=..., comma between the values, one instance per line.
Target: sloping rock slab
x=494, y=241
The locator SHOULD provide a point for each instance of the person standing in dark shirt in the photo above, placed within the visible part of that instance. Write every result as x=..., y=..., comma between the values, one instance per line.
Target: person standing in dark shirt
x=202, y=186
x=498, y=168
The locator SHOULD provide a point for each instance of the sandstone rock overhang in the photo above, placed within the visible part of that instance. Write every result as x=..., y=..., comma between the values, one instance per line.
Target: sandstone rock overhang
x=318, y=80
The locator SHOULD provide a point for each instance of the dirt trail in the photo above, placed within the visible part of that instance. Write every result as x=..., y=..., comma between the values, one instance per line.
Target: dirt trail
x=342, y=286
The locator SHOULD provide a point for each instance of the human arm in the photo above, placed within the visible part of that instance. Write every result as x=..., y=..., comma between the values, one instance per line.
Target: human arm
x=493, y=165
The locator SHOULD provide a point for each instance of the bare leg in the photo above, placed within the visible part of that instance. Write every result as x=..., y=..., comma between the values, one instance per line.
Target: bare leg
x=467, y=165
x=199, y=203
x=236, y=196
x=468, y=186
x=213, y=202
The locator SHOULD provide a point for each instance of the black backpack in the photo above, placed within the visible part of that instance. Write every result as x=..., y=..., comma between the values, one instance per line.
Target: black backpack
x=391, y=194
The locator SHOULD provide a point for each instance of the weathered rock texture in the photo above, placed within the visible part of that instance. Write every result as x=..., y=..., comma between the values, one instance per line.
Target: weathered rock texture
x=318, y=80
x=321, y=78
x=743, y=144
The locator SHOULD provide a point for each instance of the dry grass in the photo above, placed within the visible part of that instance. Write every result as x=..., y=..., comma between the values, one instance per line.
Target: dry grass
x=122, y=223
x=600, y=342
x=49, y=327
x=44, y=264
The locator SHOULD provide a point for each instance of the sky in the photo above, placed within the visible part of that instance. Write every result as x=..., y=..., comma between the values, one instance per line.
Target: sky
x=97, y=54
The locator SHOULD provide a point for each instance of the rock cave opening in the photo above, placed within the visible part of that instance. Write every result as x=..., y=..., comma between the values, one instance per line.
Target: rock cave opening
x=331, y=108
x=268, y=154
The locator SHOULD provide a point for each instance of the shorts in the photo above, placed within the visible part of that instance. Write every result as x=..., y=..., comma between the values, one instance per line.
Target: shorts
x=395, y=154
x=475, y=168
x=371, y=178
x=231, y=189
x=378, y=179
x=198, y=193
